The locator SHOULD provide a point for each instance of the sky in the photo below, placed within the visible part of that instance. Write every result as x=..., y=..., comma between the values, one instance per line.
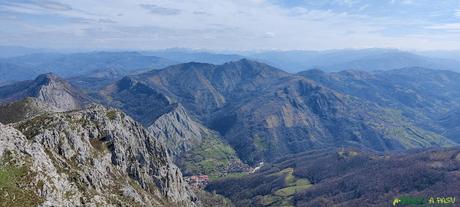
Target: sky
x=231, y=24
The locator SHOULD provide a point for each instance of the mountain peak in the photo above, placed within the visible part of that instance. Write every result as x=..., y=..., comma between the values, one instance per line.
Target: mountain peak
x=47, y=88
x=246, y=61
x=47, y=77
x=252, y=66
x=125, y=83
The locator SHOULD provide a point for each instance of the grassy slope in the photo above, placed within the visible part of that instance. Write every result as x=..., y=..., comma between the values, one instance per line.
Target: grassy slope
x=211, y=157
x=13, y=179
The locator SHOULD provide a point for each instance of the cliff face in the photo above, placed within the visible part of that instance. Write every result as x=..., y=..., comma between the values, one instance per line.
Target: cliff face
x=178, y=130
x=57, y=93
x=195, y=148
x=49, y=89
x=95, y=156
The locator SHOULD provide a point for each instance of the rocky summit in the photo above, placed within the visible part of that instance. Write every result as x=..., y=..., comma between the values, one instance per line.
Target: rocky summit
x=90, y=157
x=49, y=89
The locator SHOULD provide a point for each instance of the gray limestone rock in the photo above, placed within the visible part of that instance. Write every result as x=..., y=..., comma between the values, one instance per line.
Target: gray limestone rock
x=93, y=157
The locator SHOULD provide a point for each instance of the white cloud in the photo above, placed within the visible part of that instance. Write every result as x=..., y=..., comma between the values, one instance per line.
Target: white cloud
x=269, y=35
x=210, y=24
x=407, y=2
x=457, y=13
x=451, y=26
x=155, y=9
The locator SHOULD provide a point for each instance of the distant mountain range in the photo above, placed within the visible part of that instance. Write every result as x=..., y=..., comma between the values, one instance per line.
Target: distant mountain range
x=365, y=60
x=15, y=51
x=76, y=64
x=27, y=65
x=187, y=55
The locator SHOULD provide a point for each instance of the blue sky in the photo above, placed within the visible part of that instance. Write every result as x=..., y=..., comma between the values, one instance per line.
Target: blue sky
x=231, y=24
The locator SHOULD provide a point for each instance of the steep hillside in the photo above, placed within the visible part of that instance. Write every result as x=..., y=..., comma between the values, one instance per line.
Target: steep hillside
x=196, y=149
x=21, y=110
x=347, y=177
x=137, y=99
x=298, y=115
x=48, y=89
x=424, y=96
x=205, y=88
x=265, y=113
x=96, y=156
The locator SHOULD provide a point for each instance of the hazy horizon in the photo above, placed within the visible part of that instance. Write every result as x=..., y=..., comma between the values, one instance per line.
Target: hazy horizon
x=216, y=51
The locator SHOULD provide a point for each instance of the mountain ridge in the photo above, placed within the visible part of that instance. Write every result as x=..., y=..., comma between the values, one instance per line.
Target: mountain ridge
x=89, y=151
x=264, y=112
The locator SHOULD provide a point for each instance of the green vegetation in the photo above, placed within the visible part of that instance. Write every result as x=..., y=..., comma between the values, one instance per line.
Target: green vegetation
x=98, y=145
x=260, y=144
x=272, y=187
x=211, y=157
x=13, y=185
x=344, y=177
x=405, y=133
x=112, y=114
x=14, y=112
x=227, y=176
x=283, y=195
x=292, y=183
x=290, y=191
x=32, y=127
x=213, y=199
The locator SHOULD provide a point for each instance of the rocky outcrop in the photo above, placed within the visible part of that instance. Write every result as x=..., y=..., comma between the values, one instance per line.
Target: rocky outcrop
x=49, y=89
x=192, y=145
x=96, y=156
x=178, y=130
x=57, y=93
